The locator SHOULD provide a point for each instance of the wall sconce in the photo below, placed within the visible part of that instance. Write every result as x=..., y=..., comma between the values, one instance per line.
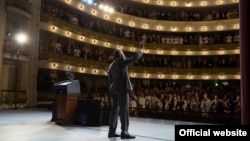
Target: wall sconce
x=173, y=3
x=82, y=37
x=81, y=6
x=93, y=12
x=174, y=76
x=159, y=2
x=106, y=17
x=54, y=65
x=133, y=74
x=205, y=76
x=107, y=44
x=189, y=76
x=204, y=3
x=82, y=69
x=68, y=33
x=160, y=51
x=145, y=50
x=131, y=23
x=119, y=20
x=159, y=28
x=53, y=28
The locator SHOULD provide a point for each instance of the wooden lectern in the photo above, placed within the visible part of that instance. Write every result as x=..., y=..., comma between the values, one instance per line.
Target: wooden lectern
x=66, y=98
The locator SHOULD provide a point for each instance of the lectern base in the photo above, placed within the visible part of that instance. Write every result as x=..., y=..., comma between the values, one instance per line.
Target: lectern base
x=65, y=109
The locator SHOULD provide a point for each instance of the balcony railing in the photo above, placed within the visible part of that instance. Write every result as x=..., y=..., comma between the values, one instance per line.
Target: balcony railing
x=78, y=61
x=11, y=47
x=12, y=99
x=86, y=32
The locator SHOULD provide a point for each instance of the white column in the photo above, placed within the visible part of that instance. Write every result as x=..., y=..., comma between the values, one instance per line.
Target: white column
x=32, y=65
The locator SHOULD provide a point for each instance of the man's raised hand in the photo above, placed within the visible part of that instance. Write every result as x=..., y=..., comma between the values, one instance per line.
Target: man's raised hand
x=142, y=44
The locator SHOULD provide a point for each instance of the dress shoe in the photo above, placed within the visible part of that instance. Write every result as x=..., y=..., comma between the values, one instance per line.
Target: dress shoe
x=127, y=136
x=113, y=135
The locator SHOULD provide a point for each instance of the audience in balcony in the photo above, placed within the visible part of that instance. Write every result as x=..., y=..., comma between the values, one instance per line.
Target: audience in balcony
x=177, y=15
x=77, y=51
x=135, y=34
x=80, y=50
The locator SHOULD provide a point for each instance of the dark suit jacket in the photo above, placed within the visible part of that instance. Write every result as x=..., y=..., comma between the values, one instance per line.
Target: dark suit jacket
x=118, y=72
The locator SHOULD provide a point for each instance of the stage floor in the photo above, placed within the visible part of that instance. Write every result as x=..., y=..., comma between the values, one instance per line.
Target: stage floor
x=35, y=125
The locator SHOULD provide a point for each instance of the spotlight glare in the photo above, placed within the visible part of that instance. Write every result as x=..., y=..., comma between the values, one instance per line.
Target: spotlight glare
x=90, y=2
x=105, y=8
x=111, y=10
x=101, y=6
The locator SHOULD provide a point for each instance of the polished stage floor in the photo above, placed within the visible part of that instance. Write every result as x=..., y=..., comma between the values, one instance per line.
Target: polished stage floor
x=35, y=125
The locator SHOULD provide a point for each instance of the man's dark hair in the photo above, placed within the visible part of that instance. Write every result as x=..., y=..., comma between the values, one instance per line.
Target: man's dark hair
x=116, y=54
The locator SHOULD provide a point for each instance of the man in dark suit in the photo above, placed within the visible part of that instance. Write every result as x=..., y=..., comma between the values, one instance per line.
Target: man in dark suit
x=120, y=86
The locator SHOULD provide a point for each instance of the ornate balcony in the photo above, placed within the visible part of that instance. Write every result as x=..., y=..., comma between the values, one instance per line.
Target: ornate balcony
x=86, y=32
x=21, y=4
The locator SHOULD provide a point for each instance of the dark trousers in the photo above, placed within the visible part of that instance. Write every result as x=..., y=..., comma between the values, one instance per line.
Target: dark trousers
x=120, y=106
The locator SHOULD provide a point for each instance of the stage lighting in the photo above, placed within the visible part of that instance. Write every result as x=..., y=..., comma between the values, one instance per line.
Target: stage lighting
x=101, y=4
x=90, y=2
